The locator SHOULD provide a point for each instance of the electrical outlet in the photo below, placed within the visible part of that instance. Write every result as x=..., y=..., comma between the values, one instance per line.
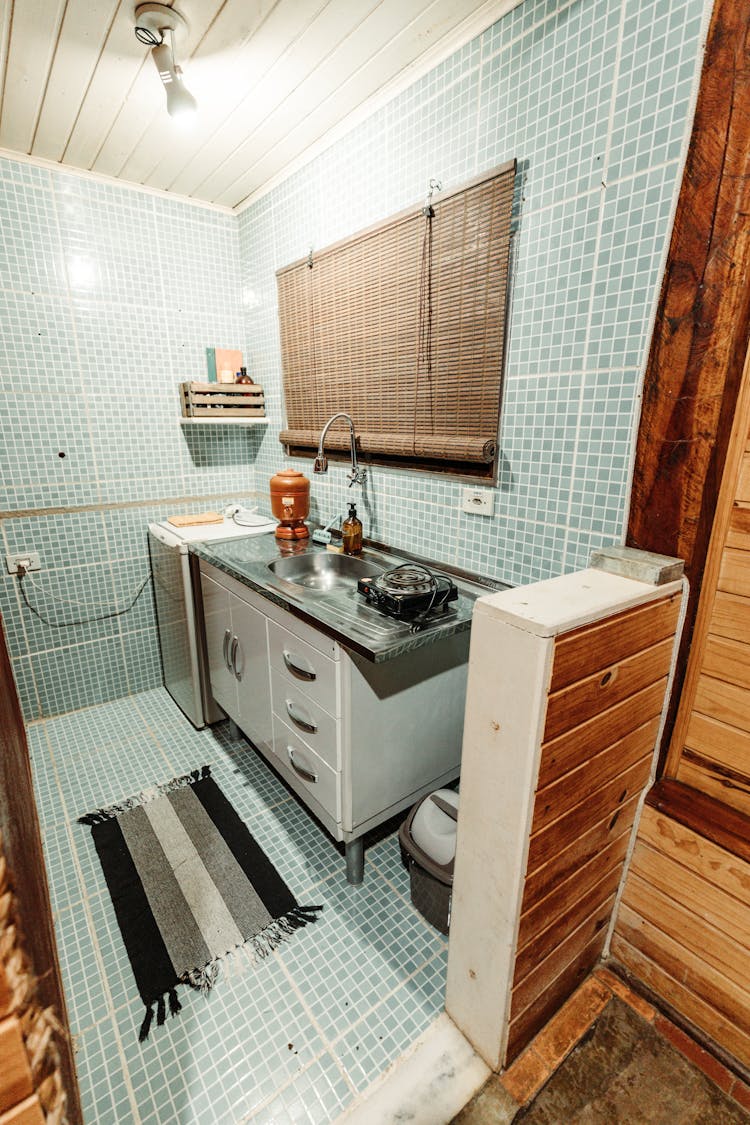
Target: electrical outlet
x=28, y=559
x=480, y=501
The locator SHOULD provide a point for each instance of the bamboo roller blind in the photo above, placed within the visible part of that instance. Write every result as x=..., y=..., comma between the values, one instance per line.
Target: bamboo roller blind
x=354, y=331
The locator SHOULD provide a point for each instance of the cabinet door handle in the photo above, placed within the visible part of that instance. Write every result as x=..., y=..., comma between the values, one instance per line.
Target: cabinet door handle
x=296, y=713
x=295, y=664
x=306, y=775
x=233, y=657
x=225, y=649
x=238, y=650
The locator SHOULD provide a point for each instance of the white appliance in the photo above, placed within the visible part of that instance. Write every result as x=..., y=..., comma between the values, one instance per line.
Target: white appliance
x=178, y=612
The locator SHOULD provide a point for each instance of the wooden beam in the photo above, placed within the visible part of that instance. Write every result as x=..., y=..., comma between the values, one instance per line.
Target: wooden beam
x=703, y=321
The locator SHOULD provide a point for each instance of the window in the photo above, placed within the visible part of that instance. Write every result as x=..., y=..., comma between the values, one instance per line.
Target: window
x=403, y=327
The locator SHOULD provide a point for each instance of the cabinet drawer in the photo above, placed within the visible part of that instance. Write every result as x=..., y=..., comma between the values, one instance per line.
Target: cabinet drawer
x=315, y=673
x=305, y=769
x=306, y=718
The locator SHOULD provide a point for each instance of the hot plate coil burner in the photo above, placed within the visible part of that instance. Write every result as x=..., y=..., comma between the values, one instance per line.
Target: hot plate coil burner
x=411, y=592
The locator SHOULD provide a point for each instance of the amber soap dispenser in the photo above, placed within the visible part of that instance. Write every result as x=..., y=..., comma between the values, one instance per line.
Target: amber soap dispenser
x=351, y=533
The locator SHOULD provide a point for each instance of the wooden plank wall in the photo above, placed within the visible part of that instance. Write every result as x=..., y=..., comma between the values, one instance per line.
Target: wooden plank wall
x=711, y=744
x=22, y=844
x=596, y=756
x=683, y=927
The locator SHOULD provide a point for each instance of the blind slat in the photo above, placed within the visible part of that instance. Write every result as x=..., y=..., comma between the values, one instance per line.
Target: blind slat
x=478, y=450
x=351, y=340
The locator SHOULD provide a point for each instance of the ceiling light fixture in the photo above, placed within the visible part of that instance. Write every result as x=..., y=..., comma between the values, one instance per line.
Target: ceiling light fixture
x=161, y=28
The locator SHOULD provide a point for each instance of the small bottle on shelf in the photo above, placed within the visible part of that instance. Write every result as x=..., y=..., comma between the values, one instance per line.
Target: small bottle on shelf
x=351, y=533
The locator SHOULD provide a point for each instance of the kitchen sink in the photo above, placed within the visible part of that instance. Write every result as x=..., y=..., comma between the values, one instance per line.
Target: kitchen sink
x=324, y=571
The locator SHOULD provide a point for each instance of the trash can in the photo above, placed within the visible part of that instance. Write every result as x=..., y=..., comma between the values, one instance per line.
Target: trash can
x=428, y=844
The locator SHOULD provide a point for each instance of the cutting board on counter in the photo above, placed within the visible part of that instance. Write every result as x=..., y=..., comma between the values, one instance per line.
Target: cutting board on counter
x=194, y=521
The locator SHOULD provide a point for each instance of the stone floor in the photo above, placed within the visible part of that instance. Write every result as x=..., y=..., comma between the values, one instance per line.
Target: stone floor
x=623, y=1071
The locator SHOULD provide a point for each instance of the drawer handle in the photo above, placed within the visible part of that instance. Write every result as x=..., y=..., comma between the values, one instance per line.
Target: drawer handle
x=237, y=648
x=306, y=775
x=294, y=664
x=225, y=649
x=295, y=714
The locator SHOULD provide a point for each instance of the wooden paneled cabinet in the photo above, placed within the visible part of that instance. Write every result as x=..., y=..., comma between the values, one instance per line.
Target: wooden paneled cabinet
x=567, y=679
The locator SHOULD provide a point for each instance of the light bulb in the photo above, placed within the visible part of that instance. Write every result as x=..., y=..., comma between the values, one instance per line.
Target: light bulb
x=181, y=104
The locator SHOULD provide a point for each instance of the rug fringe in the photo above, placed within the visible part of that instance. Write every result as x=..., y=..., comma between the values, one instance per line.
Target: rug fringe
x=160, y=1003
x=146, y=1025
x=256, y=948
x=142, y=798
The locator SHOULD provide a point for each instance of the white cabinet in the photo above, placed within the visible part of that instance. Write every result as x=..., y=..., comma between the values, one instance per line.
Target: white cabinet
x=237, y=650
x=217, y=619
x=357, y=741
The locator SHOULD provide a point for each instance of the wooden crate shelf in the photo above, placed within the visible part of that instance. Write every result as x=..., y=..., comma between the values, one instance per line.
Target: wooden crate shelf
x=222, y=402
x=223, y=421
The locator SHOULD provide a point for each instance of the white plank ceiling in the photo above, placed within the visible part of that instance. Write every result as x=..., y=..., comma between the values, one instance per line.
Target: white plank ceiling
x=274, y=81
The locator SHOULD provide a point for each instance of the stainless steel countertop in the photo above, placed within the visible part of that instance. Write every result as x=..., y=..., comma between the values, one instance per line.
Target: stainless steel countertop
x=345, y=615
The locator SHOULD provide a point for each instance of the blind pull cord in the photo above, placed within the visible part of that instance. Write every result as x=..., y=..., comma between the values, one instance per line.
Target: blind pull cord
x=424, y=358
x=432, y=187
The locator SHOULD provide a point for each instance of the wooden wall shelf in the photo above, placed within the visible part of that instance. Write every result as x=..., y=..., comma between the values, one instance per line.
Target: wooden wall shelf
x=223, y=402
x=223, y=421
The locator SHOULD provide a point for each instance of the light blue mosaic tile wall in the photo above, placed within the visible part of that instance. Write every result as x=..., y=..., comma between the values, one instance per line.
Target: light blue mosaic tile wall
x=108, y=298
x=594, y=100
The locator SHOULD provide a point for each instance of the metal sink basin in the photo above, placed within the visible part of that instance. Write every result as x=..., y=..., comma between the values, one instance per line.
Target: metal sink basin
x=324, y=571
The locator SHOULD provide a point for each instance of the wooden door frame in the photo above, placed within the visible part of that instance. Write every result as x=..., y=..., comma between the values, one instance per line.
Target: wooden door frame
x=724, y=507
x=22, y=841
x=702, y=327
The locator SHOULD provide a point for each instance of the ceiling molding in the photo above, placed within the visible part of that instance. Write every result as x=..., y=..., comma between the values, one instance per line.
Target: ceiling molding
x=113, y=181
x=277, y=82
x=468, y=29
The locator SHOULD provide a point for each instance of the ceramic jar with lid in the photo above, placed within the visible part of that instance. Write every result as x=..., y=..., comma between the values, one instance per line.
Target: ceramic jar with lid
x=290, y=503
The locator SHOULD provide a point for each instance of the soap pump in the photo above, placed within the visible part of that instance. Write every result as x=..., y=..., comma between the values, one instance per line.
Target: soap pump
x=351, y=533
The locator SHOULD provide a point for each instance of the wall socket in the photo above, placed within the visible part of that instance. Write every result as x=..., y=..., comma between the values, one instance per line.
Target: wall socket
x=29, y=559
x=480, y=501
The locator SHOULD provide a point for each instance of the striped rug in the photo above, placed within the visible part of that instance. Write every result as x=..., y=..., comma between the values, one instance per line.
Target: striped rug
x=189, y=885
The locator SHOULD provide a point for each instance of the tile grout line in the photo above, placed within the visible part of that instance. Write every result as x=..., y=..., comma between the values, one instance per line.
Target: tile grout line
x=407, y=900
x=324, y=1038
x=97, y=952
x=127, y=724
x=152, y=734
x=388, y=996
x=330, y=1043
x=21, y=617
x=616, y=76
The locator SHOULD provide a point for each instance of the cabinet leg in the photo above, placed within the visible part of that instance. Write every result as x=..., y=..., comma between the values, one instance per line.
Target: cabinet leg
x=355, y=861
x=234, y=731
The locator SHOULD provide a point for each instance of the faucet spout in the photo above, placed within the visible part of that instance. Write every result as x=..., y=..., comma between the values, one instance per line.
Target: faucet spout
x=356, y=473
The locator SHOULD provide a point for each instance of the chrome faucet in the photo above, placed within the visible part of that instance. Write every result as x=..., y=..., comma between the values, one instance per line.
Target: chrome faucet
x=356, y=474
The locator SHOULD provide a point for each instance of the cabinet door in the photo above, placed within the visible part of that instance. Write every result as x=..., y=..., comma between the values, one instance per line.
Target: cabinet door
x=218, y=620
x=249, y=654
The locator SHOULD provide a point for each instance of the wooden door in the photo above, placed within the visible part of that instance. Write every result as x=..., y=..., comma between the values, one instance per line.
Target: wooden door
x=710, y=747
x=23, y=851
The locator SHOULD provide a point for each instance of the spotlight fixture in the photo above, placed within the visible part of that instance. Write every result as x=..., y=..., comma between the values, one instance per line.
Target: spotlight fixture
x=160, y=28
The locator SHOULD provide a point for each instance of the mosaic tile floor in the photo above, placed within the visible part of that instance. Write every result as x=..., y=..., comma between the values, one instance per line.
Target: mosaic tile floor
x=294, y=1039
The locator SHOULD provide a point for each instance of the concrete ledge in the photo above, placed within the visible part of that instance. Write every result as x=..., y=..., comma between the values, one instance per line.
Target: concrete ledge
x=642, y=566
x=428, y=1085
